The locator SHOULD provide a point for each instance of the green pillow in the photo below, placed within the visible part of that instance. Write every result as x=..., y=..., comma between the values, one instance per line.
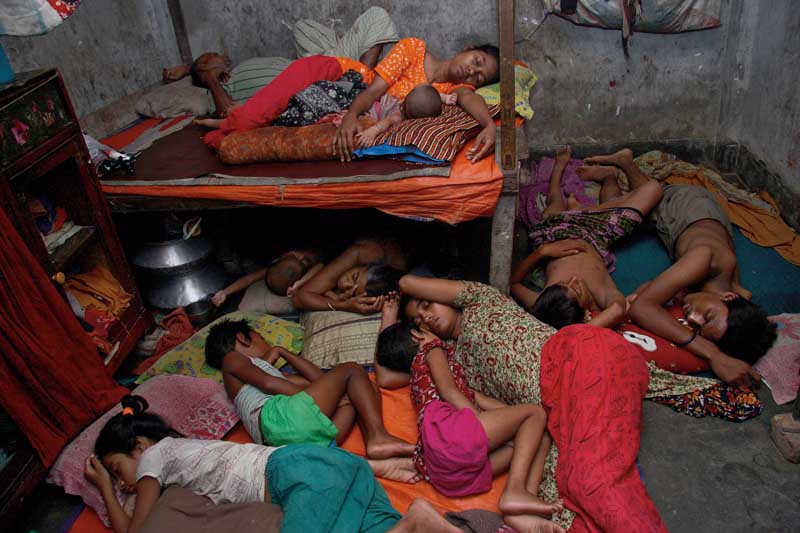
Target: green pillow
x=524, y=80
x=188, y=358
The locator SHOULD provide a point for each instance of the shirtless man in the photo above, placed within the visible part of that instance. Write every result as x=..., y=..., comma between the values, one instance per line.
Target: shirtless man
x=576, y=245
x=697, y=234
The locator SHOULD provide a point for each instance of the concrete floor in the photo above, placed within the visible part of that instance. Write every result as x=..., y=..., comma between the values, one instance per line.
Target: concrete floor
x=708, y=475
x=705, y=475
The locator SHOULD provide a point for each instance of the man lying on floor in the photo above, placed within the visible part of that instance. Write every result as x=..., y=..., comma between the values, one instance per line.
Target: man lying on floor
x=724, y=322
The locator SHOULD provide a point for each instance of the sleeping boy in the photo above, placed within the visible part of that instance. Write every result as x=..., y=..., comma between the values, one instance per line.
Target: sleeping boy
x=317, y=408
x=422, y=102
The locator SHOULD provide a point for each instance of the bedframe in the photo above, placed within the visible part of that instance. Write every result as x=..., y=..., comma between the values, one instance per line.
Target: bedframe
x=179, y=173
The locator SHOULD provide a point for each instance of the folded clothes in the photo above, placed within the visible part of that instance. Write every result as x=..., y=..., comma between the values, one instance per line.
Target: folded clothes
x=98, y=289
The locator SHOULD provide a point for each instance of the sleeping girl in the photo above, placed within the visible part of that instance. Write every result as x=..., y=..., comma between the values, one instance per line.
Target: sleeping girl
x=464, y=436
x=143, y=455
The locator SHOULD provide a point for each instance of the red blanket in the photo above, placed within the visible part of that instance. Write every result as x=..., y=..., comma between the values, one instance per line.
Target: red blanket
x=593, y=383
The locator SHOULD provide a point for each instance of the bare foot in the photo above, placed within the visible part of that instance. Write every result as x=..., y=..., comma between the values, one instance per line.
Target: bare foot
x=400, y=469
x=617, y=158
x=597, y=173
x=563, y=156
x=526, y=523
x=421, y=517
x=174, y=73
x=388, y=446
x=523, y=502
x=573, y=204
x=212, y=123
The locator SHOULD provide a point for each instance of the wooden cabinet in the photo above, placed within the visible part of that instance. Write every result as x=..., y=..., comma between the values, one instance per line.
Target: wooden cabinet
x=43, y=155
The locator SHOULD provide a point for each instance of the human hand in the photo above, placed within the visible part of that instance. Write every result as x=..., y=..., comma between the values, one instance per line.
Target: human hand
x=423, y=335
x=345, y=400
x=368, y=136
x=484, y=144
x=366, y=305
x=95, y=472
x=734, y=371
x=215, y=74
x=564, y=248
x=219, y=298
x=391, y=306
x=449, y=99
x=273, y=354
x=343, y=145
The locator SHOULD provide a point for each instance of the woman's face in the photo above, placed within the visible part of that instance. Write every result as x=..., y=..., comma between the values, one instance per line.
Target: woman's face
x=353, y=282
x=441, y=320
x=473, y=67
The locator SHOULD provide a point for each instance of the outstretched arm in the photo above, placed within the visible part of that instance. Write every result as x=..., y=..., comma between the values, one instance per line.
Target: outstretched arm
x=344, y=142
x=443, y=291
x=476, y=107
x=238, y=285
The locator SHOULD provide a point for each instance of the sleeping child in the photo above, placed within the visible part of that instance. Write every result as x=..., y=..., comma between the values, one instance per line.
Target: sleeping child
x=464, y=436
x=317, y=408
x=422, y=102
x=142, y=454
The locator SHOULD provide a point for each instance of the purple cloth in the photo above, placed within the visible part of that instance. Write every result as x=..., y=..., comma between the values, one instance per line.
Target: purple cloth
x=528, y=212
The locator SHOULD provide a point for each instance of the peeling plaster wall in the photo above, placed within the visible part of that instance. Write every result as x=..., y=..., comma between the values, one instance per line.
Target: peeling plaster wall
x=105, y=50
x=762, y=97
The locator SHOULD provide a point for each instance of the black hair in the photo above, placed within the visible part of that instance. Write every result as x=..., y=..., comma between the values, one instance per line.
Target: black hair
x=281, y=275
x=195, y=74
x=749, y=333
x=555, y=307
x=221, y=340
x=397, y=347
x=382, y=279
x=424, y=101
x=493, y=51
x=120, y=432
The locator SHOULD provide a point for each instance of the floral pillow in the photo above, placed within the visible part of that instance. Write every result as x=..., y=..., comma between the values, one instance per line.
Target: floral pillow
x=524, y=80
x=188, y=358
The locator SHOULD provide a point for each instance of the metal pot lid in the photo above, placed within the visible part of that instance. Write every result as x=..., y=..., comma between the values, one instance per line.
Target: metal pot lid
x=182, y=290
x=172, y=254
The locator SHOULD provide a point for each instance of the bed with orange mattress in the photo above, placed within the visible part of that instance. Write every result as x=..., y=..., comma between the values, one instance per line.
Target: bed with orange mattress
x=400, y=420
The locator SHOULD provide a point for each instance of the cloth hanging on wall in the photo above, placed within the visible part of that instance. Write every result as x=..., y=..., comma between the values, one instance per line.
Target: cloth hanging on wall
x=52, y=380
x=33, y=17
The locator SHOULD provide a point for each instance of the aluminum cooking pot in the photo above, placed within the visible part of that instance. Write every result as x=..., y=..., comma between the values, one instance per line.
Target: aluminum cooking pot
x=172, y=257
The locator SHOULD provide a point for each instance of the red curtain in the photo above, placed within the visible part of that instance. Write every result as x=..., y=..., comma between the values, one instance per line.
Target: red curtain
x=52, y=380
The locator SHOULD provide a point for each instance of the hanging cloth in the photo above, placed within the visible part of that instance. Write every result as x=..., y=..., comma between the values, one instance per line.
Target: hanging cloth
x=52, y=380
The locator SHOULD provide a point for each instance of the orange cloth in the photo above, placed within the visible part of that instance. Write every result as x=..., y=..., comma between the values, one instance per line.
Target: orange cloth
x=401, y=420
x=471, y=191
x=98, y=289
x=367, y=74
x=403, y=68
x=761, y=227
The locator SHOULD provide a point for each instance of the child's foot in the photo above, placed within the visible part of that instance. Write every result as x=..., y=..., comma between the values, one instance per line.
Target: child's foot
x=525, y=523
x=617, y=158
x=400, y=469
x=597, y=173
x=523, y=502
x=388, y=446
x=573, y=204
x=563, y=156
x=421, y=517
x=212, y=123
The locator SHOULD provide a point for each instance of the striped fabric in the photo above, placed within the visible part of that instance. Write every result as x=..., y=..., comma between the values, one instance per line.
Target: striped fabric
x=439, y=137
x=249, y=77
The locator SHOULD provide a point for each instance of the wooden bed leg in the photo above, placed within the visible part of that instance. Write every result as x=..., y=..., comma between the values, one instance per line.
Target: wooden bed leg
x=503, y=233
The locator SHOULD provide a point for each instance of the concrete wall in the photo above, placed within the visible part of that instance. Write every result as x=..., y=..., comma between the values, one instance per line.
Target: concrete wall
x=762, y=100
x=106, y=50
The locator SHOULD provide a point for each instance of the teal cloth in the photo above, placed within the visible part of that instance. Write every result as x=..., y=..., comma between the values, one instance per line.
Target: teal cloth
x=327, y=489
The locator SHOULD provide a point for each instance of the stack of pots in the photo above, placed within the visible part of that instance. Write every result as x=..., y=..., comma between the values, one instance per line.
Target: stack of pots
x=180, y=273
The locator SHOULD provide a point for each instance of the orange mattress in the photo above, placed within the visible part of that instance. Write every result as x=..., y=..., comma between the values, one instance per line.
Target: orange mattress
x=400, y=419
x=470, y=191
